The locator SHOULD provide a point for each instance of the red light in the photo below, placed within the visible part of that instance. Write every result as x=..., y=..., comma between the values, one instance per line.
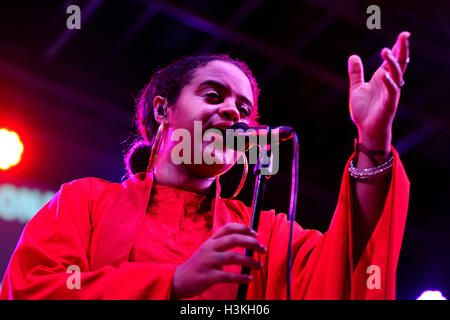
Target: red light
x=11, y=149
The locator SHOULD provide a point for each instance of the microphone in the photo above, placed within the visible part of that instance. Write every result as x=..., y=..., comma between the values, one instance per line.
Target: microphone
x=255, y=135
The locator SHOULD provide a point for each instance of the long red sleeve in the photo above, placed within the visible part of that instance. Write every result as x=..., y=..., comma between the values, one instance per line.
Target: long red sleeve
x=58, y=236
x=323, y=267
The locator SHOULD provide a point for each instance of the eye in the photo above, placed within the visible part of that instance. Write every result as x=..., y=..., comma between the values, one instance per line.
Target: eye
x=245, y=110
x=213, y=97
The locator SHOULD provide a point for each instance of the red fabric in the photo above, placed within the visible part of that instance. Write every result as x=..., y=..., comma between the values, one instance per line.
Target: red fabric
x=175, y=225
x=101, y=226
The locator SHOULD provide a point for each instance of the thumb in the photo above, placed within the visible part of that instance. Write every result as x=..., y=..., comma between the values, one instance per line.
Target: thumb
x=355, y=71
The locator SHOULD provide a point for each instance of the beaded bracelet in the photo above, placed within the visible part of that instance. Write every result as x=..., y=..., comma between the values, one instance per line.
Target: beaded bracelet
x=370, y=173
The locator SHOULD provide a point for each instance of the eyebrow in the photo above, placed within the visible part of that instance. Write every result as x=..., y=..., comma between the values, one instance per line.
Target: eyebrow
x=214, y=83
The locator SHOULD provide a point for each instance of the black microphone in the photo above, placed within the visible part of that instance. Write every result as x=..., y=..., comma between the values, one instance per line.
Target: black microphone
x=243, y=130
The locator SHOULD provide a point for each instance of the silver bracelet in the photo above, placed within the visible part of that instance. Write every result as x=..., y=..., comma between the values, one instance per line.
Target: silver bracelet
x=371, y=173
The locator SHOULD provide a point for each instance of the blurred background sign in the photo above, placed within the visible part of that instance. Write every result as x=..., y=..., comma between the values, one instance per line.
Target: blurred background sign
x=21, y=203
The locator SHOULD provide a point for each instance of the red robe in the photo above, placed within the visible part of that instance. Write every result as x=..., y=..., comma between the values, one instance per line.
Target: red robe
x=93, y=224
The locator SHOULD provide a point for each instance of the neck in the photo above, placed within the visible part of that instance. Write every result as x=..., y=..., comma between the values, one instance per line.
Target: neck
x=179, y=176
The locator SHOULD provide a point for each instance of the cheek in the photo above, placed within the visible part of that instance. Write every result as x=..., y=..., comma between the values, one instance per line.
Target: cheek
x=252, y=121
x=188, y=110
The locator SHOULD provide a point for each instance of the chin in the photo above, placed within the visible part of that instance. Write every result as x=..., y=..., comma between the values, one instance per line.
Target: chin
x=220, y=163
x=209, y=170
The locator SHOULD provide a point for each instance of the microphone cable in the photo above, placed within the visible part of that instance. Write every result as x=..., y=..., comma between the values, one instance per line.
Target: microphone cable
x=292, y=208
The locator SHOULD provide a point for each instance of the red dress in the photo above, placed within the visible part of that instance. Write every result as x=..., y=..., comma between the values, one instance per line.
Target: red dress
x=175, y=225
x=127, y=248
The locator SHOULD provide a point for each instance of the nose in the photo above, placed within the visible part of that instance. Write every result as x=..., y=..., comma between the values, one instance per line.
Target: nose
x=229, y=111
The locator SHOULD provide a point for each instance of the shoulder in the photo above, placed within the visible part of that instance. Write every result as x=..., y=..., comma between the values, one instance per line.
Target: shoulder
x=96, y=192
x=87, y=193
x=90, y=186
x=87, y=183
x=95, y=187
x=87, y=199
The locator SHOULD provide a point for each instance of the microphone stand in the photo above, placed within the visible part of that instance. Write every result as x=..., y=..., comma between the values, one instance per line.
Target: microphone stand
x=264, y=163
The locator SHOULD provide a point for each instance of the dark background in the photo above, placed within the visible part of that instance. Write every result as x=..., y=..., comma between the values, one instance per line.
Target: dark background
x=70, y=95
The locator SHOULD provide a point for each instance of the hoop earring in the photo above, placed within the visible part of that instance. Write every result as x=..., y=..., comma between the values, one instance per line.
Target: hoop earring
x=159, y=138
x=243, y=178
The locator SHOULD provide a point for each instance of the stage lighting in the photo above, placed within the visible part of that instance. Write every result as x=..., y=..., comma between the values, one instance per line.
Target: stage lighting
x=431, y=295
x=11, y=149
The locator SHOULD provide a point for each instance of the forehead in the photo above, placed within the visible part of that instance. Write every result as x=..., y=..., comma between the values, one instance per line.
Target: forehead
x=226, y=73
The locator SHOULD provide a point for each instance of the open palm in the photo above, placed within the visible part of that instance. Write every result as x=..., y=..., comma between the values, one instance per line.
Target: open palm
x=373, y=104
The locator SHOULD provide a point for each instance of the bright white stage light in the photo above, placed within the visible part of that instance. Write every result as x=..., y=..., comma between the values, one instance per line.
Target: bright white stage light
x=431, y=295
x=11, y=149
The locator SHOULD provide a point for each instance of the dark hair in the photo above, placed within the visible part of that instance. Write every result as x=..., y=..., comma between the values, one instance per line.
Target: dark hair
x=168, y=83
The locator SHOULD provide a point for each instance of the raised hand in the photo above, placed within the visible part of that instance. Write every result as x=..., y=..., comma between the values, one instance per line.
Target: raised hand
x=204, y=268
x=373, y=104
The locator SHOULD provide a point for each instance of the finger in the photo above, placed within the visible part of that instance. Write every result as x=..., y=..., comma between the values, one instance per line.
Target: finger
x=227, y=258
x=401, y=49
x=390, y=84
x=219, y=276
x=402, y=53
x=234, y=228
x=238, y=240
x=394, y=68
x=395, y=48
x=355, y=71
x=394, y=51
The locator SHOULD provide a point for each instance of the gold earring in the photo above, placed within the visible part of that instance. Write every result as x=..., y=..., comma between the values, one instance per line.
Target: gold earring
x=157, y=141
x=243, y=178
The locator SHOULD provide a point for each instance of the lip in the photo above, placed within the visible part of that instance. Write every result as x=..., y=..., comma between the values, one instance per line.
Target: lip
x=222, y=125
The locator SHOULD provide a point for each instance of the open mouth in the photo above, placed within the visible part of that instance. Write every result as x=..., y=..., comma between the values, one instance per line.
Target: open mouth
x=216, y=136
x=218, y=131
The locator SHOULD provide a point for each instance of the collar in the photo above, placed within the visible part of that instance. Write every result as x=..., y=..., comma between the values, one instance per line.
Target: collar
x=123, y=213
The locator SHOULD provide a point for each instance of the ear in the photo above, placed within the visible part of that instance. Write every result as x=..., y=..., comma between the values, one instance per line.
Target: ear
x=158, y=103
